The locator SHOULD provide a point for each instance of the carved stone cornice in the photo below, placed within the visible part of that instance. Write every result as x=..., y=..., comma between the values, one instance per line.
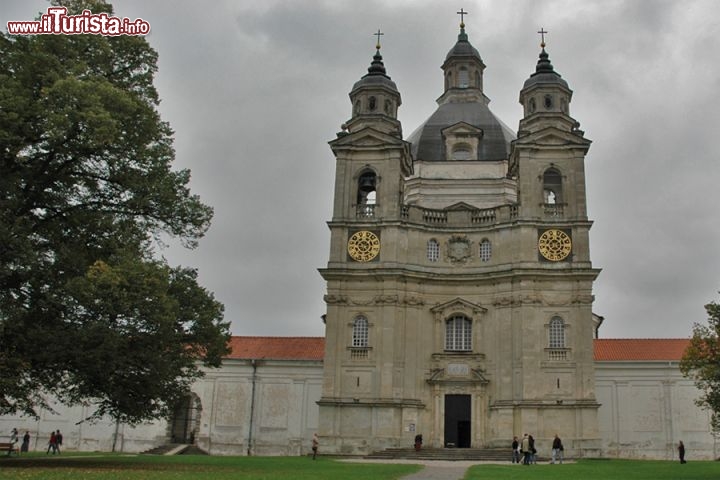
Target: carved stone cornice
x=376, y=300
x=539, y=299
x=336, y=300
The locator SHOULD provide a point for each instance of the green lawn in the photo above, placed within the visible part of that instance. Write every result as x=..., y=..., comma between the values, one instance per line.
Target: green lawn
x=600, y=470
x=185, y=467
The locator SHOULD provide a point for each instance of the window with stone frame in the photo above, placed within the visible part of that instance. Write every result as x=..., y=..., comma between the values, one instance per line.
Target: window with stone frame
x=485, y=250
x=458, y=334
x=433, y=250
x=556, y=333
x=360, y=332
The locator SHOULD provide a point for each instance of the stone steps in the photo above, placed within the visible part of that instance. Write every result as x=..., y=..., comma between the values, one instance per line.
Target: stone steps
x=457, y=454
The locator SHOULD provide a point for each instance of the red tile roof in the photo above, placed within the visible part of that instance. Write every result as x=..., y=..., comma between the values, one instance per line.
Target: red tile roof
x=313, y=348
x=640, y=349
x=277, y=348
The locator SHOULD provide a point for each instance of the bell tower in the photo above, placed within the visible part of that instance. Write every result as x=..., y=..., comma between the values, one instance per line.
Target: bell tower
x=362, y=396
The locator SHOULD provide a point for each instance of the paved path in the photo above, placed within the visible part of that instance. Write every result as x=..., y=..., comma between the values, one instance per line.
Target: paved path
x=433, y=469
x=440, y=471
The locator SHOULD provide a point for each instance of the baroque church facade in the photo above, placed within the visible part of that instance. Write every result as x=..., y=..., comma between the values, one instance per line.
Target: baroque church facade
x=459, y=304
x=459, y=284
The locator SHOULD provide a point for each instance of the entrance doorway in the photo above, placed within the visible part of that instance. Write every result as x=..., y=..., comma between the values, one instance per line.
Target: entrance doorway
x=186, y=420
x=458, y=431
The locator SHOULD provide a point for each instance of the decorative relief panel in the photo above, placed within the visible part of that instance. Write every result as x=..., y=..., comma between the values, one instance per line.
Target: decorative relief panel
x=458, y=249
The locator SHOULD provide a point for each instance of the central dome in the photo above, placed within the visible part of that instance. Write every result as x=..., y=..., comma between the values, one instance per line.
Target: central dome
x=428, y=143
x=463, y=127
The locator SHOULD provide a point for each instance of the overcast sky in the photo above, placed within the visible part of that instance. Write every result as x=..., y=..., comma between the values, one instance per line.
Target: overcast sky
x=255, y=90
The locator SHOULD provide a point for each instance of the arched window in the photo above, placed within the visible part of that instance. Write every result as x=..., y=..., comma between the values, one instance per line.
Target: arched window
x=458, y=334
x=548, y=102
x=463, y=78
x=372, y=103
x=531, y=106
x=552, y=186
x=366, y=194
x=360, y=332
x=556, y=334
x=433, y=250
x=485, y=250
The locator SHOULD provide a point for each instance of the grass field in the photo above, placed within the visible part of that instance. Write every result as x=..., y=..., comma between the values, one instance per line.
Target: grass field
x=600, y=470
x=186, y=467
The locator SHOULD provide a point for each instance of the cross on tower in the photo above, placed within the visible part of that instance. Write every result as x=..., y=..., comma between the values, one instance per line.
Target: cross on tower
x=378, y=34
x=542, y=33
x=462, y=14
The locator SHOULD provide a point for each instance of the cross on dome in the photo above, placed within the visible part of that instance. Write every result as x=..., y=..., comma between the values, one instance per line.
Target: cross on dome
x=462, y=14
x=542, y=33
x=378, y=34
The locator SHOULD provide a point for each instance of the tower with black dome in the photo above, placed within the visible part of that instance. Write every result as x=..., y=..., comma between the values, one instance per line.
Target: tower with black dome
x=459, y=283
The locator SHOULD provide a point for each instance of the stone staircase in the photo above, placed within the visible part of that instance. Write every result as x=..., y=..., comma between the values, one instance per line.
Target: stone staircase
x=175, y=449
x=457, y=454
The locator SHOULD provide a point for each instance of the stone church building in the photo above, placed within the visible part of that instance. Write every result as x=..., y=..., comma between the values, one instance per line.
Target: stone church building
x=459, y=302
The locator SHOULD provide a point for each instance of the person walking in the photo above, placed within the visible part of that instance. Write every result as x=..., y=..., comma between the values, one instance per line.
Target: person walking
x=13, y=441
x=52, y=444
x=557, y=450
x=681, y=451
x=58, y=441
x=315, y=445
x=25, y=447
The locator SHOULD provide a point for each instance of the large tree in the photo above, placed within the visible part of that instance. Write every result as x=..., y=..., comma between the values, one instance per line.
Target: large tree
x=89, y=312
x=701, y=362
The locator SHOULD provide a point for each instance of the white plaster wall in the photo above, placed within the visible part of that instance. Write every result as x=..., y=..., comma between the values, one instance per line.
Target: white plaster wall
x=80, y=435
x=647, y=408
x=280, y=420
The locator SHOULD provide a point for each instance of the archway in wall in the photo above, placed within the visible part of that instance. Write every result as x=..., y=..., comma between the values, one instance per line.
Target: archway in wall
x=186, y=420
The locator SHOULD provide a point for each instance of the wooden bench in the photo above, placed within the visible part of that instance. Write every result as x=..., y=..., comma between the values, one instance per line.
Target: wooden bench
x=9, y=447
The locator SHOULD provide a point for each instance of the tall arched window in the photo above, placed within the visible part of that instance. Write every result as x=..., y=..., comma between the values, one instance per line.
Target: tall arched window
x=360, y=332
x=552, y=186
x=433, y=250
x=458, y=334
x=556, y=333
x=366, y=194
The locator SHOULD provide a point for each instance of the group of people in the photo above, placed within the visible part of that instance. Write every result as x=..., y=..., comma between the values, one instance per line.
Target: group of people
x=24, y=446
x=55, y=442
x=524, y=451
